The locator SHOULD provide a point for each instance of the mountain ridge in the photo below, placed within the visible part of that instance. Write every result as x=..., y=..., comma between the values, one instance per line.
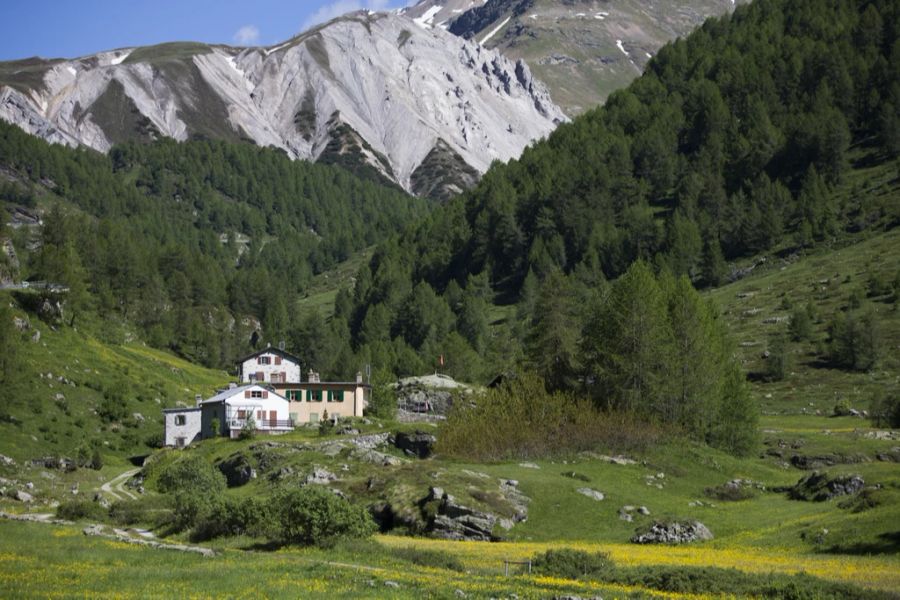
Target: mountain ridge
x=374, y=87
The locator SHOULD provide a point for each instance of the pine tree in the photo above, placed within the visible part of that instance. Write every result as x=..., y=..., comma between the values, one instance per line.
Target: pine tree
x=552, y=345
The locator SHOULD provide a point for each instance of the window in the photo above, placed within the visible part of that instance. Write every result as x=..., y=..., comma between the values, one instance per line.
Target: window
x=313, y=395
x=179, y=442
x=257, y=394
x=335, y=395
x=180, y=419
x=264, y=360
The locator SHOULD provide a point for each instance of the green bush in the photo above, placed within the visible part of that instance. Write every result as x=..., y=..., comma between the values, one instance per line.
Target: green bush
x=438, y=559
x=193, y=508
x=573, y=564
x=315, y=515
x=885, y=408
x=81, y=510
x=247, y=516
x=192, y=474
x=521, y=419
x=150, y=510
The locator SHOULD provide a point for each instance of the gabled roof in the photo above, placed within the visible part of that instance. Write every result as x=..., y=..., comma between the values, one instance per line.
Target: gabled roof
x=272, y=350
x=231, y=392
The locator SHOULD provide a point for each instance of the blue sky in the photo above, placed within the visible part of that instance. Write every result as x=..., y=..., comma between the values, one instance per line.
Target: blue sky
x=71, y=28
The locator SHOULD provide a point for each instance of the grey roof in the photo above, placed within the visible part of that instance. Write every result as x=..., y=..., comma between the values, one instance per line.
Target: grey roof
x=226, y=394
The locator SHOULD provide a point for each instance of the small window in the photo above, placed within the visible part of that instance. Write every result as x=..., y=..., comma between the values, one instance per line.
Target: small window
x=180, y=419
x=256, y=394
x=264, y=360
x=336, y=396
x=179, y=442
x=313, y=395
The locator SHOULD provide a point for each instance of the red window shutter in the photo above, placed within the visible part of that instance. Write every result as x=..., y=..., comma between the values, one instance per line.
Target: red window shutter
x=277, y=360
x=259, y=360
x=265, y=394
x=247, y=394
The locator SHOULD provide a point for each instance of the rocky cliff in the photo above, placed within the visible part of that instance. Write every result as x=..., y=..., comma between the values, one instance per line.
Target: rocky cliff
x=377, y=92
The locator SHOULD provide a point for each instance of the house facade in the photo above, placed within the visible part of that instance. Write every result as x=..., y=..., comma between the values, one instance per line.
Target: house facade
x=182, y=426
x=313, y=400
x=270, y=365
x=230, y=411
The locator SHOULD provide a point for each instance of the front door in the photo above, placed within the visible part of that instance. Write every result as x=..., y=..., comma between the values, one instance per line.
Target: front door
x=273, y=418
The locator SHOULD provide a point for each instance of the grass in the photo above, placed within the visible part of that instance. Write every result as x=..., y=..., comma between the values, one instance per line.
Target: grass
x=825, y=278
x=66, y=377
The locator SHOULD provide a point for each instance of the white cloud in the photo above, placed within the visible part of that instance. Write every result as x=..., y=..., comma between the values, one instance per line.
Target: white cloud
x=247, y=35
x=340, y=7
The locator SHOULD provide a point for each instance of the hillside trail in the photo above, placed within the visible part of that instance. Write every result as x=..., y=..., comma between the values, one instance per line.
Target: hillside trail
x=115, y=487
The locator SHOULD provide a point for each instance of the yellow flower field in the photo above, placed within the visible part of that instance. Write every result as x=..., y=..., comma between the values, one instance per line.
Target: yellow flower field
x=881, y=572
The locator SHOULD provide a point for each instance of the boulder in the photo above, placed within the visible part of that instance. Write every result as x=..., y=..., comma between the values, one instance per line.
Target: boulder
x=455, y=521
x=593, y=494
x=370, y=441
x=23, y=497
x=237, y=470
x=320, y=476
x=818, y=487
x=58, y=463
x=419, y=444
x=377, y=458
x=7, y=461
x=674, y=532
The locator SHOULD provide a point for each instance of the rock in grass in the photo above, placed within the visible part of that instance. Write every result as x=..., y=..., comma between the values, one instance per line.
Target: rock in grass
x=674, y=532
x=594, y=494
x=23, y=497
x=818, y=487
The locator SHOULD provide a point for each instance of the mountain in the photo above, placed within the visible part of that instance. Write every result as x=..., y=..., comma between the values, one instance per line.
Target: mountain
x=371, y=91
x=582, y=49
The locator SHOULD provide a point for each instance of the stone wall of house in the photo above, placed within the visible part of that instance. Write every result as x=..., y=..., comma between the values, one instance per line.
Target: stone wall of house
x=187, y=432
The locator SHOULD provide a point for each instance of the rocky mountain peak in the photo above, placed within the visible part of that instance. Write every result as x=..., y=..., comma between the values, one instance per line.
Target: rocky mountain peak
x=376, y=92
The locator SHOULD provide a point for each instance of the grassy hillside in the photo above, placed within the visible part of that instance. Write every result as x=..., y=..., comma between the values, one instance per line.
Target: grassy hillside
x=100, y=389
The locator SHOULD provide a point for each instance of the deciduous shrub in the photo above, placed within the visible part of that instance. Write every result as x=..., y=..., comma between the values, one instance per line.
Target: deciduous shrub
x=247, y=516
x=315, y=515
x=520, y=419
x=193, y=474
x=573, y=564
x=78, y=510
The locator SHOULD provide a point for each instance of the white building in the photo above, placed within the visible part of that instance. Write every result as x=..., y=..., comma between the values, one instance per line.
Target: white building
x=270, y=365
x=229, y=411
x=182, y=426
x=227, y=414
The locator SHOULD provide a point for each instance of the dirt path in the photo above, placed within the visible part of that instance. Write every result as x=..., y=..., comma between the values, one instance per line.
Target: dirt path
x=115, y=487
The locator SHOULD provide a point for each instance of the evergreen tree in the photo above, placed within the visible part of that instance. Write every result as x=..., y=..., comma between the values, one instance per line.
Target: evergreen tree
x=552, y=346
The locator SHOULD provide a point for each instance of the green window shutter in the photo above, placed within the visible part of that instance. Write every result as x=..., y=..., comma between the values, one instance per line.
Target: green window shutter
x=329, y=396
x=309, y=395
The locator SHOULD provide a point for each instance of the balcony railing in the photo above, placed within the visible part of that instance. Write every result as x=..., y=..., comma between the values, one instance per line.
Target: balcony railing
x=235, y=423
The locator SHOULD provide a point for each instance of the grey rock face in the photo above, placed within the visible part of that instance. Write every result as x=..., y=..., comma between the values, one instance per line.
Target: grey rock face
x=677, y=532
x=593, y=494
x=320, y=476
x=818, y=487
x=374, y=84
x=237, y=469
x=418, y=444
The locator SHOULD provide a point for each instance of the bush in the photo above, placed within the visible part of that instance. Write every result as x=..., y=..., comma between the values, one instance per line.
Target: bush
x=885, y=409
x=153, y=511
x=572, y=564
x=779, y=361
x=520, y=419
x=438, y=559
x=193, y=508
x=248, y=516
x=81, y=510
x=315, y=515
x=191, y=474
x=855, y=341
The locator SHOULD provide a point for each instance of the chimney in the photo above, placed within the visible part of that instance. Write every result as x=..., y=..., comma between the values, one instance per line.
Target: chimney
x=359, y=377
x=313, y=376
x=232, y=385
x=198, y=399
x=281, y=345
